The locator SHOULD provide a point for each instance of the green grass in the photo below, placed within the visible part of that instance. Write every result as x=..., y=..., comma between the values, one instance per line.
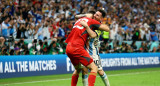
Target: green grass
x=132, y=77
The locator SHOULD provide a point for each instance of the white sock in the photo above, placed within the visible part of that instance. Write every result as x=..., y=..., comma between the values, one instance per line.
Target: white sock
x=85, y=79
x=105, y=79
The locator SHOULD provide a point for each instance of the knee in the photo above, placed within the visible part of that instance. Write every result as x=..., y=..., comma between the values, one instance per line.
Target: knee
x=95, y=68
x=92, y=67
x=77, y=71
x=100, y=72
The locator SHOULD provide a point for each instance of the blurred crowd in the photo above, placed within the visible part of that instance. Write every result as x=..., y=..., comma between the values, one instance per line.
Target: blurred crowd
x=43, y=20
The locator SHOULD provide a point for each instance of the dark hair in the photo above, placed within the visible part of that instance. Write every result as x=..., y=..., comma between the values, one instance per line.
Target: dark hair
x=45, y=38
x=92, y=12
x=35, y=41
x=40, y=42
x=103, y=12
x=21, y=40
x=11, y=52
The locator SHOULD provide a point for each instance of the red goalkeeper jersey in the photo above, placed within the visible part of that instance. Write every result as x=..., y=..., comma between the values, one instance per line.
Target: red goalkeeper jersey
x=79, y=35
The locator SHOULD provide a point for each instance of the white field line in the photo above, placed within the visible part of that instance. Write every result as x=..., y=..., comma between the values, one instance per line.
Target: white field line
x=80, y=77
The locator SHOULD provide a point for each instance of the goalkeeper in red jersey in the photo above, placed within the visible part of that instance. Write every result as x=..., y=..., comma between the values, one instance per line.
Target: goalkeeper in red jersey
x=93, y=49
x=75, y=50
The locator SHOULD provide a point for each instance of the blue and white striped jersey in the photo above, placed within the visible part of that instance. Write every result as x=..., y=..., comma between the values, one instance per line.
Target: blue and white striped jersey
x=94, y=44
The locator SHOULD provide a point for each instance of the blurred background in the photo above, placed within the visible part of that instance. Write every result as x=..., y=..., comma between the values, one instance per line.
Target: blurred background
x=36, y=27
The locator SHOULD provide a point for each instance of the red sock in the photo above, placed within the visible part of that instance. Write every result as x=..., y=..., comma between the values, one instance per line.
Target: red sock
x=74, y=80
x=92, y=78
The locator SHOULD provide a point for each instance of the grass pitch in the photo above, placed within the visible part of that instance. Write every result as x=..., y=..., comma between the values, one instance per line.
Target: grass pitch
x=132, y=77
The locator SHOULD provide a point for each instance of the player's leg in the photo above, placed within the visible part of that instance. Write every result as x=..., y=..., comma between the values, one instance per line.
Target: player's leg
x=75, y=76
x=85, y=76
x=83, y=57
x=102, y=74
x=104, y=77
x=70, y=51
x=93, y=73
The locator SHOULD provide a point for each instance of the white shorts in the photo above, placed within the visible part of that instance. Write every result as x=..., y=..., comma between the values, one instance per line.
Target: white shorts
x=97, y=61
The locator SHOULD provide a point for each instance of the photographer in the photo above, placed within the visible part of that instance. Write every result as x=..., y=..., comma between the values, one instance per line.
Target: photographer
x=4, y=51
x=33, y=47
x=53, y=47
x=23, y=46
x=11, y=52
x=45, y=46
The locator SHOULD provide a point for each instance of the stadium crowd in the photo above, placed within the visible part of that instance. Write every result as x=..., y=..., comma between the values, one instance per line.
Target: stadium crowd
x=43, y=20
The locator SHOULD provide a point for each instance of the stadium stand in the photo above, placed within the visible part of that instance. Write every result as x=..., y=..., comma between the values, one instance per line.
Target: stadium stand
x=31, y=27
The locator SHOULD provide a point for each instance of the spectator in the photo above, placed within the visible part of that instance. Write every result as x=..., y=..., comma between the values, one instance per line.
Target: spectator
x=158, y=28
x=142, y=32
x=6, y=27
x=30, y=31
x=153, y=35
x=131, y=20
x=113, y=34
x=158, y=49
x=153, y=44
x=45, y=30
x=136, y=34
x=147, y=35
x=119, y=35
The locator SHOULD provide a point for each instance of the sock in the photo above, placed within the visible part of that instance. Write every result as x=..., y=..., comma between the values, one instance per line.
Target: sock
x=74, y=80
x=92, y=78
x=105, y=79
x=85, y=79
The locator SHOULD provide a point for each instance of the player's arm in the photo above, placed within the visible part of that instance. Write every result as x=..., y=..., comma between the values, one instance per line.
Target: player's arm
x=91, y=33
x=89, y=15
x=104, y=27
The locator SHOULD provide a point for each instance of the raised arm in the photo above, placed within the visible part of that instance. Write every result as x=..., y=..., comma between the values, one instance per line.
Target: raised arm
x=89, y=15
x=104, y=27
x=91, y=33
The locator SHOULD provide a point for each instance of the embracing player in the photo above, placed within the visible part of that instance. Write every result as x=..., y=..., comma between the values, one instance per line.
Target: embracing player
x=76, y=51
x=93, y=48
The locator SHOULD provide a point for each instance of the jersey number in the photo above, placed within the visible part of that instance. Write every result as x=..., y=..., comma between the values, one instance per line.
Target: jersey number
x=97, y=63
x=78, y=26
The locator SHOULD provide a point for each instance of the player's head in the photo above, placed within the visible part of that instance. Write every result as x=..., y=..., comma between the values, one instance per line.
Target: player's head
x=99, y=15
x=90, y=14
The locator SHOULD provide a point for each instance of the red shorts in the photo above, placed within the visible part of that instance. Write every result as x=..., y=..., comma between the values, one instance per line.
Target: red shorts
x=78, y=55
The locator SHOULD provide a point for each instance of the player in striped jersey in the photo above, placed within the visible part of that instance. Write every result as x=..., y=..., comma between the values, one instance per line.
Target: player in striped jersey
x=75, y=50
x=93, y=48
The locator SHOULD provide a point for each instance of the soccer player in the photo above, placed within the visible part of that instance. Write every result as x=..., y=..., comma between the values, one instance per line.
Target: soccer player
x=76, y=51
x=93, y=50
